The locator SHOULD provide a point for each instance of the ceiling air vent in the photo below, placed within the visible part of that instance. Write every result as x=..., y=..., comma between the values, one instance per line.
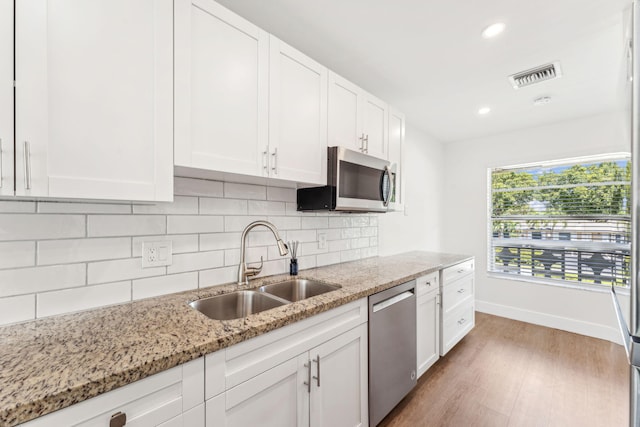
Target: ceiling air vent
x=535, y=75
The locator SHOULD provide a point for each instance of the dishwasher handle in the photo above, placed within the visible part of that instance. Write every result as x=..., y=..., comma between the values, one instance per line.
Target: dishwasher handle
x=391, y=301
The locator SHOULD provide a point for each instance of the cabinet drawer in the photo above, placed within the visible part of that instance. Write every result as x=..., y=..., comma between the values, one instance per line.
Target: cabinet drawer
x=456, y=293
x=454, y=272
x=427, y=283
x=456, y=325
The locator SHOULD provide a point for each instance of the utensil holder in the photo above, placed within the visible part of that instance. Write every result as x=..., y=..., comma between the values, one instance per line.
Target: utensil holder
x=293, y=267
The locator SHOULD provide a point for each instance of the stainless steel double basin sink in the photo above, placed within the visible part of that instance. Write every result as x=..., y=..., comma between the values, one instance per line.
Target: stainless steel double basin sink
x=239, y=304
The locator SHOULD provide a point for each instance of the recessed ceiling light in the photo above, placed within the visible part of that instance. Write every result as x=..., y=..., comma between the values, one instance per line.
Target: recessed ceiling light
x=484, y=110
x=493, y=30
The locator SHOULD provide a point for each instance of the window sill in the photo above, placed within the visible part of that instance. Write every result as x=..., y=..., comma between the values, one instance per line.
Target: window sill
x=556, y=283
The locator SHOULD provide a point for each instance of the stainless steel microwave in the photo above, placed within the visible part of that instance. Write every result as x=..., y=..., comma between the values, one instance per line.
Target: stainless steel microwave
x=356, y=182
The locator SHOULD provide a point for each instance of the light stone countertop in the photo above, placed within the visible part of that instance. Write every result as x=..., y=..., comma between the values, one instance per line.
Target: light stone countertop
x=52, y=363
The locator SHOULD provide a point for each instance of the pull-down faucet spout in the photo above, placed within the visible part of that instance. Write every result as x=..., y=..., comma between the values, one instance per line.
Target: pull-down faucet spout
x=244, y=271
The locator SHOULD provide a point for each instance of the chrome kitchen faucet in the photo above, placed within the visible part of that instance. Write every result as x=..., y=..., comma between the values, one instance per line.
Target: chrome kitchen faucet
x=244, y=271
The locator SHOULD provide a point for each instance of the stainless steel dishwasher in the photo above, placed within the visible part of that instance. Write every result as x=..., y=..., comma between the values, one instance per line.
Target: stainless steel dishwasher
x=392, y=348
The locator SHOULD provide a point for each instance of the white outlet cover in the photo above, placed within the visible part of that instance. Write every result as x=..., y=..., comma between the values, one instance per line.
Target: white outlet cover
x=157, y=253
x=322, y=240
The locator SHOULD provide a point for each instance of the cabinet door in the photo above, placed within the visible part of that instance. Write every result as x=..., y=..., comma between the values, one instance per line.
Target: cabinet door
x=221, y=90
x=396, y=141
x=275, y=398
x=339, y=391
x=375, y=122
x=345, y=116
x=428, y=331
x=297, y=115
x=6, y=97
x=94, y=99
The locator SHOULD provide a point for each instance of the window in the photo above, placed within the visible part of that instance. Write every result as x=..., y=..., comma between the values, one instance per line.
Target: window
x=564, y=222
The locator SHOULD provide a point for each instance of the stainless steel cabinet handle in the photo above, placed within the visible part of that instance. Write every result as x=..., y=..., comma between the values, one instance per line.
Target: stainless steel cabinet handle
x=461, y=321
x=27, y=166
x=461, y=291
x=308, y=382
x=461, y=270
x=361, y=143
x=366, y=144
x=318, y=377
x=274, y=168
x=119, y=419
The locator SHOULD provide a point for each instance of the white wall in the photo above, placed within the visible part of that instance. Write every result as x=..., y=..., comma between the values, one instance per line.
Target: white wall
x=465, y=219
x=420, y=226
x=61, y=257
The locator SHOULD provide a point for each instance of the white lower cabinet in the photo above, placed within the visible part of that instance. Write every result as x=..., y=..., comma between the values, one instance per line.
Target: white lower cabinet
x=428, y=330
x=173, y=398
x=458, y=304
x=311, y=373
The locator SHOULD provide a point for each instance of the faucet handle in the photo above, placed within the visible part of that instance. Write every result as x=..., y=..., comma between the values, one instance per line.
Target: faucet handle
x=252, y=271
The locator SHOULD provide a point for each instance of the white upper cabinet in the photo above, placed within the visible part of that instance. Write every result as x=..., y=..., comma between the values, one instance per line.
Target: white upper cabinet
x=6, y=97
x=94, y=99
x=297, y=116
x=221, y=90
x=396, y=143
x=357, y=119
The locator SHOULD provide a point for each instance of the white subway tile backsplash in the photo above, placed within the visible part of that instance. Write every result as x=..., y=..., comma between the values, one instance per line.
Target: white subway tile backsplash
x=17, y=206
x=339, y=245
x=197, y=187
x=238, y=223
x=196, y=261
x=121, y=269
x=67, y=256
x=261, y=207
x=281, y=194
x=83, y=208
x=209, y=206
x=285, y=222
x=181, y=205
x=82, y=298
x=17, y=309
x=180, y=243
x=17, y=254
x=161, y=285
x=209, y=242
x=125, y=225
x=218, y=276
x=29, y=280
x=188, y=224
x=79, y=250
x=328, y=258
x=244, y=191
x=314, y=222
x=36, y=227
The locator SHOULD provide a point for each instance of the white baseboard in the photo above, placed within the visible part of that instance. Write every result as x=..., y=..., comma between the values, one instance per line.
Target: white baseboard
x=543, y=319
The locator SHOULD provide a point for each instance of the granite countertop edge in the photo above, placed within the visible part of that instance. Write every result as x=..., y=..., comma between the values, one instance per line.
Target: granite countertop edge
x=181, y=334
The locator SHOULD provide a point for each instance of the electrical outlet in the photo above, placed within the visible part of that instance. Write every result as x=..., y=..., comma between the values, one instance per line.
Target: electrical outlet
x=322, y=240
x=156, y=254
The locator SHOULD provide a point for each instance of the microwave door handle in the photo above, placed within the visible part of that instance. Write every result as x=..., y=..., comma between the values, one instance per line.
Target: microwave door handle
x=387, y=173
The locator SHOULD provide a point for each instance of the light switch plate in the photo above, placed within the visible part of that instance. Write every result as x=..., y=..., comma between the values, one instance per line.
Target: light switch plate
x=157, y=254
x=322, y=240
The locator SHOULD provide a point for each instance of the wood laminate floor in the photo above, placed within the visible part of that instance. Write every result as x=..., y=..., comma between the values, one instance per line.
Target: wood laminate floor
x=510, y=373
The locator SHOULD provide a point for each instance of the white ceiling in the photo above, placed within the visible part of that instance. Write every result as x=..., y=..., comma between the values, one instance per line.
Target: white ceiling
x=427, y=57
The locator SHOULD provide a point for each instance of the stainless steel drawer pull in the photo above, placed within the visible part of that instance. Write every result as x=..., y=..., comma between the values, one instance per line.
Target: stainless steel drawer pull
x=119, y=419
x=362, y=143
x=308, y=382
x=462, y=321
x=366, y=144
x=27, y=166
x=318, y=377
x=274, y=168
x=265, y=159
x=461, y=291
x=461, y=270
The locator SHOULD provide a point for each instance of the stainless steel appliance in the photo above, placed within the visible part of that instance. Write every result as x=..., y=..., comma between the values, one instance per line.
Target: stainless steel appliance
x=631, y=332
x=356, y=182
x=392, y=348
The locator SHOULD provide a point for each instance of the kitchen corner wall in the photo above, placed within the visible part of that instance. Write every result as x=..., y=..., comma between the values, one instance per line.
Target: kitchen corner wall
x=60, y=257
